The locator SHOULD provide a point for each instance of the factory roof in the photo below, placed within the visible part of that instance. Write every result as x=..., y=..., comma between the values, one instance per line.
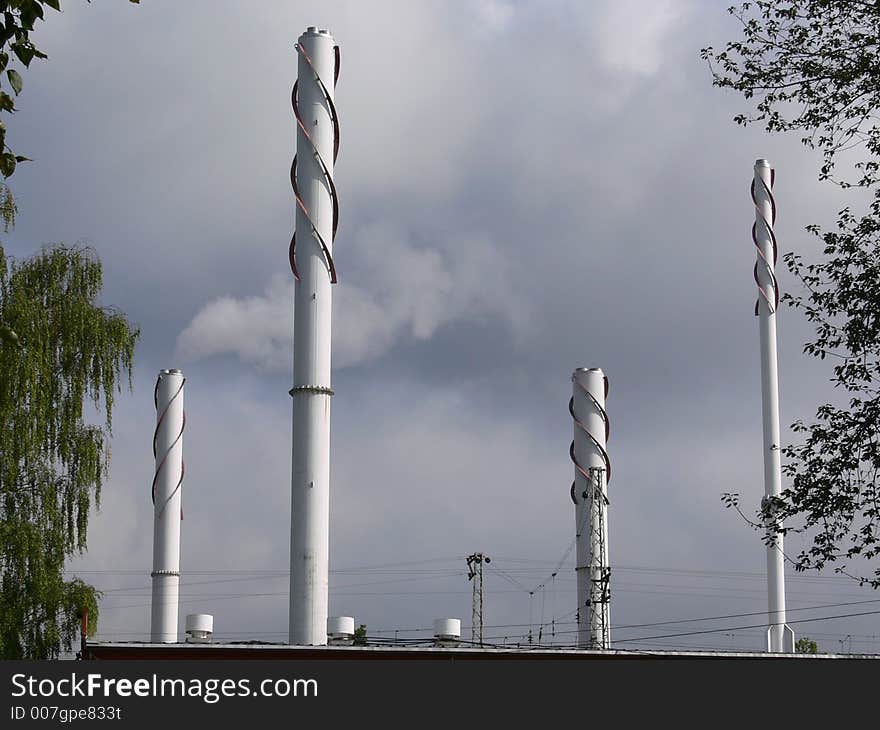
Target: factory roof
x=259, y=650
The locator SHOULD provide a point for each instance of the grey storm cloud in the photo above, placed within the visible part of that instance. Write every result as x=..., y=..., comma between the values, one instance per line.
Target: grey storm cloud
x=526, y=187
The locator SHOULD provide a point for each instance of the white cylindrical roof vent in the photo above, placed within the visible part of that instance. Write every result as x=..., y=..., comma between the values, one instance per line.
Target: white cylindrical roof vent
x=199, y=628
x=340, y=629
x=447, y=629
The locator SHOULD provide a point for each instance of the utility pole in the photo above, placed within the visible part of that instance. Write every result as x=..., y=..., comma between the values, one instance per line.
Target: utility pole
x=475, y=575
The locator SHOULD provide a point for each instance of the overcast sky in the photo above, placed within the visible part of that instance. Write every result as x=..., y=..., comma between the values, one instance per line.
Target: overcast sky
x=525, y=188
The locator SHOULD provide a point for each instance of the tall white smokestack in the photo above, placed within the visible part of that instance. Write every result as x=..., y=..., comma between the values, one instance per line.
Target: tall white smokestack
x=589, y=492
x=311, y=259
x=779, y=636
x=166, y=494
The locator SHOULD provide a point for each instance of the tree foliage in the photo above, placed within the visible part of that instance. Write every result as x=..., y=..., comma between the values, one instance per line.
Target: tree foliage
x=60, y=351
x=813, y=66
x=16, y=53
x=360, y=636
x=805, y=645
x=810, y=66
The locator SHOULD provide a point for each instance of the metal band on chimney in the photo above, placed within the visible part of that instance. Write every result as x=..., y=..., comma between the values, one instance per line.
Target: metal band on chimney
x=319, y=389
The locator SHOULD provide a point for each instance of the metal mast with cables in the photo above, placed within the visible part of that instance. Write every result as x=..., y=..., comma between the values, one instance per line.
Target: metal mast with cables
x=589, y=492
x=311, y=260
x=166, y=496
x=475, y=575
x=780, y=637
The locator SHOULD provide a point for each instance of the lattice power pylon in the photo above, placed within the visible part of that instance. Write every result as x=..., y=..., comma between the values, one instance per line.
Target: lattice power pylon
x=475, y=575
x=599, y=602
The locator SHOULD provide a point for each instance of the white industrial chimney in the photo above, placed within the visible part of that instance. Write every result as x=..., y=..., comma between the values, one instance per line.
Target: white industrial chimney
x=589, y=492
x=780, y=637
x=166, y=494
x=311, y=259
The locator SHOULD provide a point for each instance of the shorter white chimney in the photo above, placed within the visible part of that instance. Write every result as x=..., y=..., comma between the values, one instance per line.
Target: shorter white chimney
x=199, y=628
x=166, y=495
x=340, y=630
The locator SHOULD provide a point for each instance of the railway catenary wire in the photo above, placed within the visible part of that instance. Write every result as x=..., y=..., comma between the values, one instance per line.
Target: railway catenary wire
x=421, y=566
x=664, y=623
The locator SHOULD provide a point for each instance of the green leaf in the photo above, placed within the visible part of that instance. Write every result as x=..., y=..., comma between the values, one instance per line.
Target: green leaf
x=22, y=158
x=7, y=164
x=14, y=80
x=54, y=4
x=6, y=102
x=28, y=16
x=24, y=51
x=4, y=59
x=7, y=334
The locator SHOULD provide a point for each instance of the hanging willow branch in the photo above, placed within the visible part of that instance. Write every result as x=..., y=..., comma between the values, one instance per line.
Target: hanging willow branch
x=61, y=355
